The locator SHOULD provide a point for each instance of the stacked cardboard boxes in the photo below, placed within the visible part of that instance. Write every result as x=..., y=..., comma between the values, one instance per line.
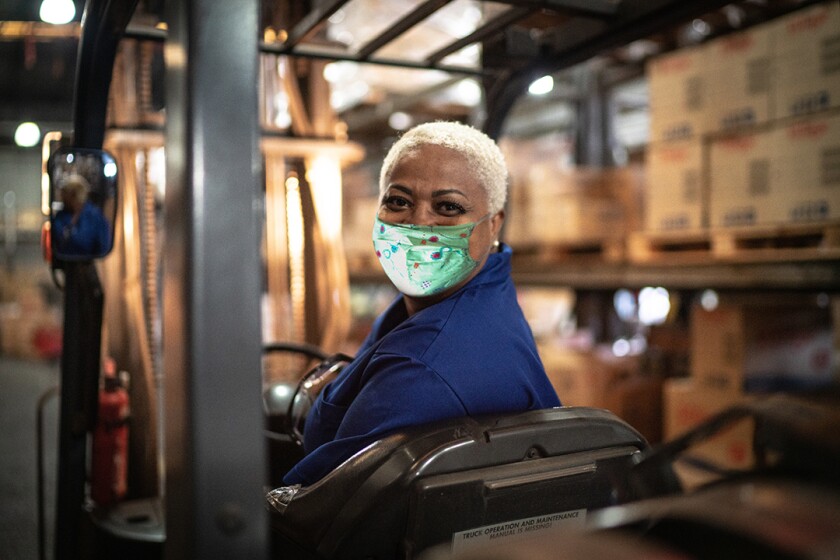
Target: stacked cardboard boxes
x=554, y=205
x=784, y=174
x=738, y=352
x=752, y=349
x=766, y=135
x=679, y=89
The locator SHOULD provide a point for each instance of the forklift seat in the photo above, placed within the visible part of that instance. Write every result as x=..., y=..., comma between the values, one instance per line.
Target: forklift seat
x=461, y=482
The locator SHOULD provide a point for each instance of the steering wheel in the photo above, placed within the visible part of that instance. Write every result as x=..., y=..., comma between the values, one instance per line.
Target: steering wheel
x=309, y=386
x=308, y=389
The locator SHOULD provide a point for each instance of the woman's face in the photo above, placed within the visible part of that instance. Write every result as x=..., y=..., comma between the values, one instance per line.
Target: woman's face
x=71, y=197
x=435, y=186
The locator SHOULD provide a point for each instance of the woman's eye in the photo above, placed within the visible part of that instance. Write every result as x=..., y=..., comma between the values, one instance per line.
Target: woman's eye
x=451, y=208
x=395, y=202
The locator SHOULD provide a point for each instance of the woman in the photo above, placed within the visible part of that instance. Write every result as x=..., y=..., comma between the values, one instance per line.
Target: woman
x=79, y=228
x=455, y=342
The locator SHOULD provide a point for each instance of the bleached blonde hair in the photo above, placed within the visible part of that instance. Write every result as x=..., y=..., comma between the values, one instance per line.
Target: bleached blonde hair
x=76, y=187
x=484, y=156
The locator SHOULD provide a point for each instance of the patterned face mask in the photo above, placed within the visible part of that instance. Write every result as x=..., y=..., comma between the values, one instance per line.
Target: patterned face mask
x=424, y=260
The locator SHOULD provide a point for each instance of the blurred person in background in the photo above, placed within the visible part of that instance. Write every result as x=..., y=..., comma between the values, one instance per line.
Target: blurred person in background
x=79, y=228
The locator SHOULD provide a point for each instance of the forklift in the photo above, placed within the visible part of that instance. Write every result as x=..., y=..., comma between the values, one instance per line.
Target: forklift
x=216, y=436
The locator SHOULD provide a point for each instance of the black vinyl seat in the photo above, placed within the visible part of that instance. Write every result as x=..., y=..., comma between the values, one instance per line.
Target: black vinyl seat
x=785, y=506
x=459, y=482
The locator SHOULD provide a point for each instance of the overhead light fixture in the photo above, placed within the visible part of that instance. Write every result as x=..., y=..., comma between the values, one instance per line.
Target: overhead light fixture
x=469, y=92
x=57, y=11
x=27, y=134
x=541, y=86
x=399, y=120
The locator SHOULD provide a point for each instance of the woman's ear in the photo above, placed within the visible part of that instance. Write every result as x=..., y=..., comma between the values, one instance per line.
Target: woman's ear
x=496, y=221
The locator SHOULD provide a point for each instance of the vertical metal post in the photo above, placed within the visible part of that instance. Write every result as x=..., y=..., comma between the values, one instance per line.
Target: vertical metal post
x=83, y=298
x=212, y=283
x=82, y=340
x=595, y=135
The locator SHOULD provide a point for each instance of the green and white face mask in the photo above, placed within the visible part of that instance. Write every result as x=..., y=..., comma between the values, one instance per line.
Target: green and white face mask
x=424, y=260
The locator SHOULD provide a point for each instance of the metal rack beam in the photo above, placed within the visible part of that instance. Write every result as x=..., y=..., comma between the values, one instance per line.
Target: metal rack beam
x=407, y=22
x=311, y=22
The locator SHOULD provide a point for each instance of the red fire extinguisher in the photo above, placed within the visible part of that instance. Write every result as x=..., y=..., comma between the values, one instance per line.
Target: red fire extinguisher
x=109, y=453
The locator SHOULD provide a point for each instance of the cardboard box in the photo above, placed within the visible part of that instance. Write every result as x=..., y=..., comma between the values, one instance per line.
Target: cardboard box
x=739, y=348
x=674, y=194
x=784, y=174
x=739, y=77
x=678, y=87
x=627, y=185
x=575, y=217
x=585, y=377
x=557, y=205
x=637, y=399
x=807, y=60
x=687, y=403
x=806, y=175
x=742, y=189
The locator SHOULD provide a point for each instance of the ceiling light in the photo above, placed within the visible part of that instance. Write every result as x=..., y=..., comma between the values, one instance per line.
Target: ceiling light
x=541, y=86
x=400, y=120
x=27, y=134
x=469, y=92
x=341, y=71
x=57, y=11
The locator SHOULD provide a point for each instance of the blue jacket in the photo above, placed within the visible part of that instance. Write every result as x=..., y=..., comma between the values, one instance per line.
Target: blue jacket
x=89, y=236
x=470, y=354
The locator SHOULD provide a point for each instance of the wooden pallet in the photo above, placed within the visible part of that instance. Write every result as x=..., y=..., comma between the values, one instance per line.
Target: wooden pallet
x=558, y=252
x=794, y=242
x=659, y=247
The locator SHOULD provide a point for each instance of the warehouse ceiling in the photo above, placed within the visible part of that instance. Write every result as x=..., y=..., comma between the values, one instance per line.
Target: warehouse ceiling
x=37, y=65
x=417, y=58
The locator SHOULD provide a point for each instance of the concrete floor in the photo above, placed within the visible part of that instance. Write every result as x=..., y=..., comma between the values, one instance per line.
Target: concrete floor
x=21, y=385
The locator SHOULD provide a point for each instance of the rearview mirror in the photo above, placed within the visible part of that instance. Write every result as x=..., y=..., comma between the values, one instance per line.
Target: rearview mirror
x=83, y=203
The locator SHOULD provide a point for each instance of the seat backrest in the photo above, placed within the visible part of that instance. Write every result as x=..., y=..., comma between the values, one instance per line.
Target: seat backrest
x=463, y=482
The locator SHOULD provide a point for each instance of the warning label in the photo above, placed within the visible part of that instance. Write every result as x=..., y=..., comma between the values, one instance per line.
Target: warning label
x=521, y=528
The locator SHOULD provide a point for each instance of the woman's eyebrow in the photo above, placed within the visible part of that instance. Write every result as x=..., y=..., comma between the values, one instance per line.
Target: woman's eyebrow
x=442, y=192
x=406, y=190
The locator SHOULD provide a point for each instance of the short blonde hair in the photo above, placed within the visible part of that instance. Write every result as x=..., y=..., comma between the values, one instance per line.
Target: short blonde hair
x=482, y=153
x=76, y=187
